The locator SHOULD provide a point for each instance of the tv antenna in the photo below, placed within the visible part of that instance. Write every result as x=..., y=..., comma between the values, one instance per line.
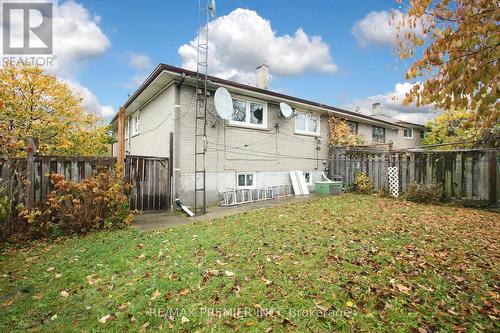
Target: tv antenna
x=200, y=128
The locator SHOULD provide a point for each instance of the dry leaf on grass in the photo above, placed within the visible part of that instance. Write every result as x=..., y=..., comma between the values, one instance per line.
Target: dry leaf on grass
x=104, y=319
x=155, y=295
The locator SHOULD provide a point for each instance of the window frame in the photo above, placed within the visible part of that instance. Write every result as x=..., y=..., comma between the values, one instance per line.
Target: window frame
x=349, y=123
x=307, y=132
x=310, y=182
x=247, y=122
x=373, y=130
x=246, y=174
x=136, y=124
x=404, y=132
x=127, y=129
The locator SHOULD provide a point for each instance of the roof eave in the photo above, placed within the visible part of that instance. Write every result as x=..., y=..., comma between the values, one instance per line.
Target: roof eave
x=180, y=71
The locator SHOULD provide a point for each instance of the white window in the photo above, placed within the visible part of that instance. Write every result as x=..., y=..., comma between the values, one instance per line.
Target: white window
x=308, y=177
x=127, y=125
x=408, y=133
x=307, y=123
x=246, y=180
x=136, y=118
x=249, y=113
x=378, y=134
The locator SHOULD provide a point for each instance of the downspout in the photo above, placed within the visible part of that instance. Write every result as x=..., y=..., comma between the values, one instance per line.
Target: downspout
x=177, y=135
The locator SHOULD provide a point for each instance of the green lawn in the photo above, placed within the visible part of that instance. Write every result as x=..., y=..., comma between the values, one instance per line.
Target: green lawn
x=329, y=264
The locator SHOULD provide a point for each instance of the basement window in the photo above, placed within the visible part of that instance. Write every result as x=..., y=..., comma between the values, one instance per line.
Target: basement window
x=307, y=123
x=408, y=133
x=249, y=113
x=246, y=180
x=308, y=178
x=378, y=134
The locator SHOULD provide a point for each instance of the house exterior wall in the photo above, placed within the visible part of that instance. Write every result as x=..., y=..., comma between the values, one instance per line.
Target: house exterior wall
x=156, y=122
x=268, y=153
x=391, y=135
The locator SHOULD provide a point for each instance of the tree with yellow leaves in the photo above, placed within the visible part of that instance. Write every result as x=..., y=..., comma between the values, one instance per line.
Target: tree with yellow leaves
x=453, y=126
x=341, y=134
x=457, y=45
x=38, y=105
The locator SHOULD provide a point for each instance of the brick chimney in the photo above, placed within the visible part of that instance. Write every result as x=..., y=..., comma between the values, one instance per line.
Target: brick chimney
x=263, y=76
x=377, y=109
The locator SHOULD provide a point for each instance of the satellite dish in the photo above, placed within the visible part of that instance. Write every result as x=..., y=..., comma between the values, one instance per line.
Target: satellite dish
x=286, y=110
x=223, y=103
x=211, y=8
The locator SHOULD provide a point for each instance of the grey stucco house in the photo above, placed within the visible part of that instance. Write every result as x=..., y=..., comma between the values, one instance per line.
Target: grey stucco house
x=250, y=150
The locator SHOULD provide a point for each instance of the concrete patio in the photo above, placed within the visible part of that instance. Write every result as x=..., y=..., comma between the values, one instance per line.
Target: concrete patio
x=157, y=221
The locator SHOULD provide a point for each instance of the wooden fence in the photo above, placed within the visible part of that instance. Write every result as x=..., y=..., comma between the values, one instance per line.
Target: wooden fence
x=150, y=180
x=471, y=176
x=29, y=179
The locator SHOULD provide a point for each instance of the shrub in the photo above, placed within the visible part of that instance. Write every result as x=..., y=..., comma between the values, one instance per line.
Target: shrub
x=95, y=203
x=384, y=192
x=425, y=193
x=4, y=206
x=362, y=183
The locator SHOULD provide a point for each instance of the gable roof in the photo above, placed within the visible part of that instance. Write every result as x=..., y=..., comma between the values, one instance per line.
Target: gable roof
x=161, y=68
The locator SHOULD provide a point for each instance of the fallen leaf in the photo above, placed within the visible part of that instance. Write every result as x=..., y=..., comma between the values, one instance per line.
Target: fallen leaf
x=54, y=317
x=184, y=320
x=184, y=292
x=155, y=295
x=64, y=293
x=321, y=307
x=50, y=269
x=144, y=327
x=349, y=304
x=104, y=319
x=229, y=273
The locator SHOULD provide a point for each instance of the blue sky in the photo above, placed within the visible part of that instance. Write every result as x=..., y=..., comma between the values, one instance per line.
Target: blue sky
x=142, y=34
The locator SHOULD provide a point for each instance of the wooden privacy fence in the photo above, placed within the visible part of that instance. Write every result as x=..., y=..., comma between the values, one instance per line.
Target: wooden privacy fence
x=468, y=175
x=150, y=180
x=148, y=176
x=37, y=169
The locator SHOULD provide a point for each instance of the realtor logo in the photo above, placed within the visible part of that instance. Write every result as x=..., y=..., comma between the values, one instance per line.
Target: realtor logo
x=27, y=27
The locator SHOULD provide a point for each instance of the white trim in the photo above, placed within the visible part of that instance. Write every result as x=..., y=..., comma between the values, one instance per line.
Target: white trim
x=408, y=137
x=247, y=122
x=306, y=132
x=136, y=123
x=254, y=177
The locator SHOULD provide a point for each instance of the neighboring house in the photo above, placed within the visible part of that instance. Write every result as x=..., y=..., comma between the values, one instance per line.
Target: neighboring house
x=256, y=148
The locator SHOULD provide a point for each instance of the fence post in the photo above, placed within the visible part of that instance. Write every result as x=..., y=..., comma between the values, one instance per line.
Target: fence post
x=493, y=178
x=121, y=138
x=30, y=173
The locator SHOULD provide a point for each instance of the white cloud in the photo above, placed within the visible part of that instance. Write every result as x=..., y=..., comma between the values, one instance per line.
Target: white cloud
x=242, y=40
x=392, y=103
x=77, y=37
x=141, y=64
x=139, y=61
x=90, y=101
x=381, y=28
